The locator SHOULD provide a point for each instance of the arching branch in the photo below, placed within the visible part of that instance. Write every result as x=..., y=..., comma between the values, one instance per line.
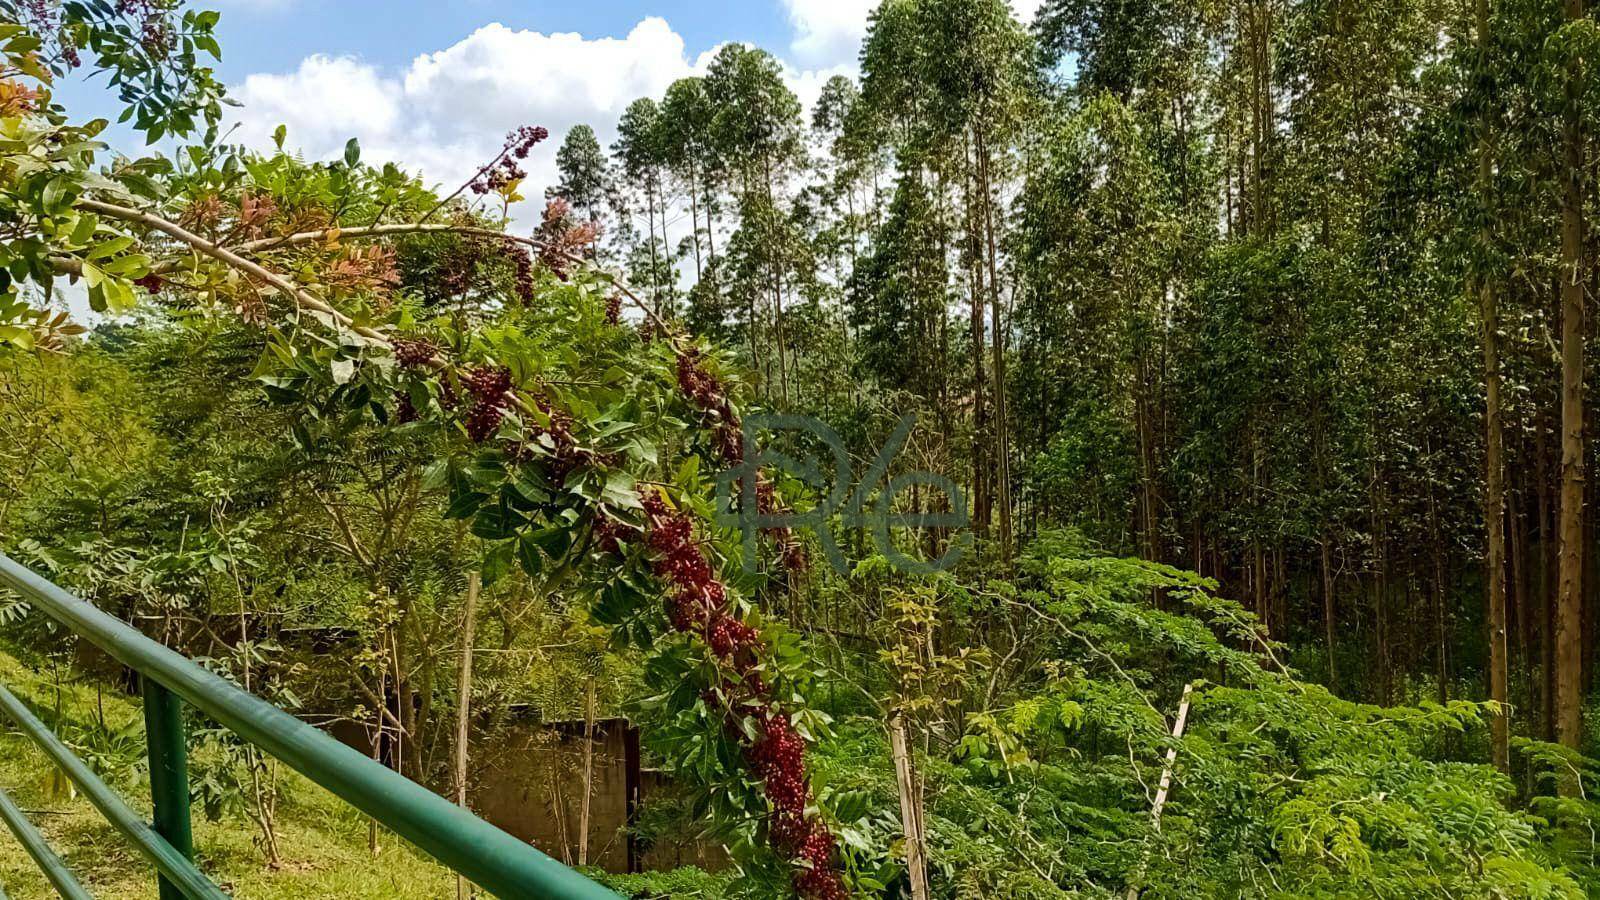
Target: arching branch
x=302, y=298
x=252, y=248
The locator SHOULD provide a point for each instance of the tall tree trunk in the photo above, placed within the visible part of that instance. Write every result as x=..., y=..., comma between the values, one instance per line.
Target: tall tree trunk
x=1494, y=490
x=1002, y=439
x=1547, y=579
x=776, y=257
x=378, y=728
x=1328, y=623
x=650, y=226
x=980, y=416
x=1441, y=622
x=1569, y=603
x=1380, y=588
x=694, y=220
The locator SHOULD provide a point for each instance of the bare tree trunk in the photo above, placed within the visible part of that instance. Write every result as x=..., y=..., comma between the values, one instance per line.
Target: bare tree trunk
x=469, y=624
x=1547, y=571
x=1494, y=492
x=1441, y=658
x=1569, y=604
x=905, y=775
x=1328, y=624
x=694, y=219
x=263, y=796
x=650, y=223
x=1002, y=428
x=981, y=502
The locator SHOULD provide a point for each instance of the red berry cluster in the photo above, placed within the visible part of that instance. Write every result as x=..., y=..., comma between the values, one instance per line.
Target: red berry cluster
x=488, y=386
x=778, y=756
x=522, y=266
x=504, y=169
x=483, y=420
x=404, y=411
x=564, y=454
x=699, y=606
x=706, y=392
x=44, y=19
x=488, y=383
x=155, y=35
x=459, y=267
x=699, y=603
x=610, y=535
x=614, y=309
x=41, y=14
x=413, y=353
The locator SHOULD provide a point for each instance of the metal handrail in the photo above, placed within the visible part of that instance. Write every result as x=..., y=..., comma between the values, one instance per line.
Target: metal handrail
x=489, y=857
x=171, y=862
x=56, y=871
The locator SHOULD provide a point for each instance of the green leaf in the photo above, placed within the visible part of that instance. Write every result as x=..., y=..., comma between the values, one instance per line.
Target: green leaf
x=464, y=505
x=528, y=556
x=554, y=540
x=497, y=562
x=497, y=523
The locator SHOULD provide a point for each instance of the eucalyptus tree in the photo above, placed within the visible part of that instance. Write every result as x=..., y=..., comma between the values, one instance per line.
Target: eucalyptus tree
x=852, y=162
x=757, y=128
x=1572, y=177
x=642, y=159
x=1097, y=236
x=690, y=151
x=585, y=173
x=951, y=83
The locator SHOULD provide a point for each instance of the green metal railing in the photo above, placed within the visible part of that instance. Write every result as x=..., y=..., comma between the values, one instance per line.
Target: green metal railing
x=487, y=856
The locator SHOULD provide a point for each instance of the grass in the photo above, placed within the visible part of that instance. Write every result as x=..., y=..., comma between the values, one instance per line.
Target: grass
x=323, y=840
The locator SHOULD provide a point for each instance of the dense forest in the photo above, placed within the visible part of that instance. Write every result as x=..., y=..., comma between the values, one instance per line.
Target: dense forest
x=1248, y=341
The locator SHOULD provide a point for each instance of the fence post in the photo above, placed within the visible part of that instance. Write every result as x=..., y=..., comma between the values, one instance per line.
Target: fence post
x=169, y=773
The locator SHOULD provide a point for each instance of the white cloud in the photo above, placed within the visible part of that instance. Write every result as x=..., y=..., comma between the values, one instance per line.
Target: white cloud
x=448, y=111
x=829, y=32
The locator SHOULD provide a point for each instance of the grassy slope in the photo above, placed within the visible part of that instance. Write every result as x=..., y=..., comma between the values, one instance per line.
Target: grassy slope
x=324, y=842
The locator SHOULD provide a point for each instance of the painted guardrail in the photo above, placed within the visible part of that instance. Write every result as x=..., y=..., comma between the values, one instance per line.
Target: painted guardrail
x=487, y=856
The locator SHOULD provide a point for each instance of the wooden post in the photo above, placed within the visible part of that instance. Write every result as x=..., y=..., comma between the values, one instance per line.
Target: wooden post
x=464, y=704
x=1165, y=786
x=588, y=772
x=905, y=775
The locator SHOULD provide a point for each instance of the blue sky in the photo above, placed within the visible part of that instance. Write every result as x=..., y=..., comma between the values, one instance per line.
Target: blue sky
x=434, y=85
x=273, y=35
